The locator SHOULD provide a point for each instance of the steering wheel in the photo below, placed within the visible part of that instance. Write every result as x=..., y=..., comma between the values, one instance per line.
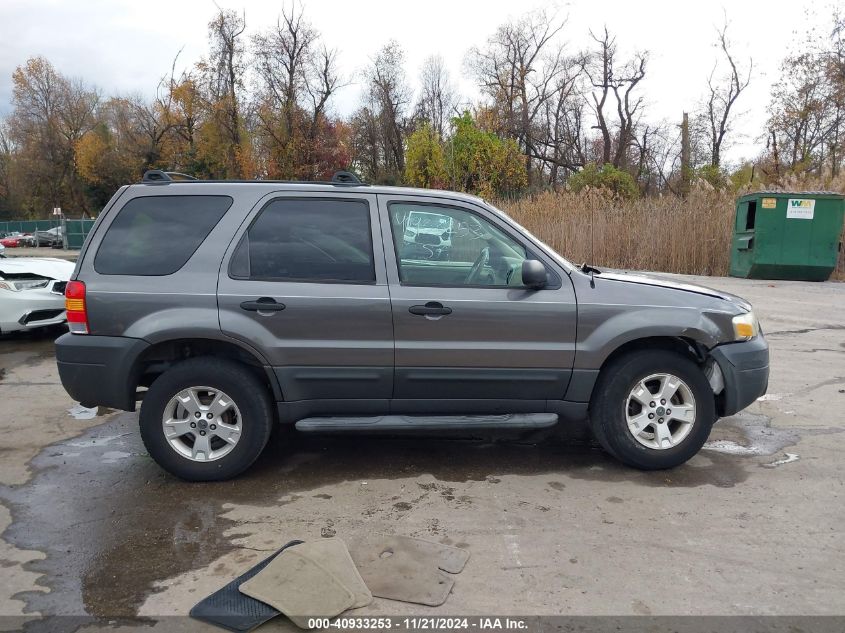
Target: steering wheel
x=474, y=275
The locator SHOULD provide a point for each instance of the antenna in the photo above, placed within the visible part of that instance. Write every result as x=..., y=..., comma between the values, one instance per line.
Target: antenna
x=592, y=247
x=586, y=267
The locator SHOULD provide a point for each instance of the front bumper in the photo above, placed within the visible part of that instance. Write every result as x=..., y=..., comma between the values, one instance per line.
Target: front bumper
x=98, y=370
x=28, y=309
x=745, y=369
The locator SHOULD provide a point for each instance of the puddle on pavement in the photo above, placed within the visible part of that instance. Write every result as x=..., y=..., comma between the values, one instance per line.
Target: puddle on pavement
x=28, y=347
x=112, y=523
x=749, y=434
x=78, y=412
x=788, y=458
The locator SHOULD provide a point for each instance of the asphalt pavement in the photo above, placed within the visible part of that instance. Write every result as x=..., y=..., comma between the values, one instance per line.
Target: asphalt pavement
x=91, y=527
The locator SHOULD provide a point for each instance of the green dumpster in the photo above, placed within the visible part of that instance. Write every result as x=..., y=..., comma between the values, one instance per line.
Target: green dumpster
x=787, y=235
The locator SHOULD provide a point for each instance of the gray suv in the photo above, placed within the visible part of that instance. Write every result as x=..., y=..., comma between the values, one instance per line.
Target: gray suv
x=225, y=307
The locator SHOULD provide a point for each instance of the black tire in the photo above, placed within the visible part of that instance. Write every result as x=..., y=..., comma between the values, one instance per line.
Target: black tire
x=240, y=383
x=607, y=408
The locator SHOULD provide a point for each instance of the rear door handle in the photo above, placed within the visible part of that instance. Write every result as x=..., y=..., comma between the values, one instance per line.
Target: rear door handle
x=432, y=308
x=264, y=304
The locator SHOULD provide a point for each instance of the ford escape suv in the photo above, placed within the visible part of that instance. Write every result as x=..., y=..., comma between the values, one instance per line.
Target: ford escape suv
x=225, y=307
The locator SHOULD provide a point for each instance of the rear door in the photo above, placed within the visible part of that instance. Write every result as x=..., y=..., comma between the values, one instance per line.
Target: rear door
x=304, y=281
x=465, y=326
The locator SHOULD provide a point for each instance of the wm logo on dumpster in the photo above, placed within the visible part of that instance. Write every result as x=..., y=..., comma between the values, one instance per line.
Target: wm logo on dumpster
x=801, y=209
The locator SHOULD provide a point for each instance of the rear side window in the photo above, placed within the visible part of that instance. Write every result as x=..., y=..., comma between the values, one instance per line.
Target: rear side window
x=156, y=235
x=308, y=239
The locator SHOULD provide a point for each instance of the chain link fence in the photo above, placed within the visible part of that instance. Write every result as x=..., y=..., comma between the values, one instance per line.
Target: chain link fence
x=72, y=232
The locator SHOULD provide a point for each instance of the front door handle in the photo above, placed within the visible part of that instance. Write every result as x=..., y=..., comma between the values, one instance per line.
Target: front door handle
x=264, y=304
x=432, y=308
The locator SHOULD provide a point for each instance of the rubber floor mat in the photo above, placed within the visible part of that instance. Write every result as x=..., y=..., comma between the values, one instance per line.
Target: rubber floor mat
x=447, y=558
x=299, y=587
x=230, y=609
x=332, y=554
x=398, y=568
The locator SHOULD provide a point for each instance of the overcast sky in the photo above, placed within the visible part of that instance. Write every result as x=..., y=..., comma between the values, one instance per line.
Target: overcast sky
x=125, y=46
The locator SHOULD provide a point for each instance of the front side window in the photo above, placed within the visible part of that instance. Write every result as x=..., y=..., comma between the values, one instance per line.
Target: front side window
x=156, y=235
x=308, y=239
x=448, y=246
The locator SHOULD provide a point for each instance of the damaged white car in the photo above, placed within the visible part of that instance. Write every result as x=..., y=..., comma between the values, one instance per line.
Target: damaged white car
x=32, y=292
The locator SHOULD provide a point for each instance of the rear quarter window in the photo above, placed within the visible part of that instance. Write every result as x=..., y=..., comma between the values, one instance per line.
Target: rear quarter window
x=157, y=235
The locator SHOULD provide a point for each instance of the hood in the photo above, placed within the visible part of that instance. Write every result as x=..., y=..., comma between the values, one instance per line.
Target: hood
x=51, y=267
x=666, y=282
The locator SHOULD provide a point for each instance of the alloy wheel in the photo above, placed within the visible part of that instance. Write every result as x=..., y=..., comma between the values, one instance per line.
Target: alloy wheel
x=202, y=424
x=660, y=411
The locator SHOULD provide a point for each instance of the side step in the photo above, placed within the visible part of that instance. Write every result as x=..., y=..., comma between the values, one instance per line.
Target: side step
x=427, y=422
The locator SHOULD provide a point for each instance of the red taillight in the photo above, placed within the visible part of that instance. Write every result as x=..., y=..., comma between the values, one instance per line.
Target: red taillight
x=77, y=315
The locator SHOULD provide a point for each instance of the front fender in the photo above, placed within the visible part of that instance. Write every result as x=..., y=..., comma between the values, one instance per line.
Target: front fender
x=602, y=329
x=612, y=313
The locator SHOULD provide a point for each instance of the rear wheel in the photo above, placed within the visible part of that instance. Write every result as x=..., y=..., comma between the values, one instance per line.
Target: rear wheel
x=206, y=419
x=652, y=409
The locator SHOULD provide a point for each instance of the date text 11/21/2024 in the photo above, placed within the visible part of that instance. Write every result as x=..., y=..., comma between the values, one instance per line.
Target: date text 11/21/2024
x=421, y=623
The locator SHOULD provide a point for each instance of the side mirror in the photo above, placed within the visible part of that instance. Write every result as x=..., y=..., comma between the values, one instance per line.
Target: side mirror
x=534, y=274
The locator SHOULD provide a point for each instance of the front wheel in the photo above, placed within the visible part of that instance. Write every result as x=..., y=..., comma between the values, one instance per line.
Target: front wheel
x=652, y=409
x=206, y=419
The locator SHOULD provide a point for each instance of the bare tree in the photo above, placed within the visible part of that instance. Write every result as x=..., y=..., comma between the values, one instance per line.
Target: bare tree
x=224, y=71
x=380, y=125
x=437, y=95
x=722, y=95
x=298, y=76
x=559, y=131
x=520, y=69
x=609, y=79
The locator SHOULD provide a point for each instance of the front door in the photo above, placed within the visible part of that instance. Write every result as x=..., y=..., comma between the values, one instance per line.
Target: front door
x=465, y=326
x=305, y=283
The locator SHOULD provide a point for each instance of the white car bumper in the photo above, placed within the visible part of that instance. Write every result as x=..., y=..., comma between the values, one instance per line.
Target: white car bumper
x=28, y=309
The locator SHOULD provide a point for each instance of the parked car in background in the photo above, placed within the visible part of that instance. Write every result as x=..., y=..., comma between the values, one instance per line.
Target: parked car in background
x=32, y=292
x=16, y=240
x=50, y=237
x=428, y=234
x=225, y=307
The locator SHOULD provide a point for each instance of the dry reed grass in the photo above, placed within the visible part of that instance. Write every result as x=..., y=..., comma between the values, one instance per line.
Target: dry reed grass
x=662, y=233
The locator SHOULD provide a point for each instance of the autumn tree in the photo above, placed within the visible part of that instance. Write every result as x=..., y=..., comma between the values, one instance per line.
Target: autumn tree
x=51, y=113
x=800, y=111
x=483, y=163
x=807, y=105
x=7, y=166
x=425, y=163
x=617, y=181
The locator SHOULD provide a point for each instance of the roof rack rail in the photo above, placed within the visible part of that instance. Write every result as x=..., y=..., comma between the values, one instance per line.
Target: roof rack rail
x=340, y=179
x=157, y=175
x=345, y=178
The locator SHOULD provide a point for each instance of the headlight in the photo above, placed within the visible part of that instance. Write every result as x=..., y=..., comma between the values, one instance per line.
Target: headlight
x=745, y=326
x=23, y=284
